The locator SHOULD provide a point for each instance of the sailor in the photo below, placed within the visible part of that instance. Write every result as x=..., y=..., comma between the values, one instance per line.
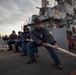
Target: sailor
x=18, y=42
x=25, y=39
x=42, y=37
x=11, y=40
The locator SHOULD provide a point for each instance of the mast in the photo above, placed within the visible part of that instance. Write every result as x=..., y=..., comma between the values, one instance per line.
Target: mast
x=44, y=3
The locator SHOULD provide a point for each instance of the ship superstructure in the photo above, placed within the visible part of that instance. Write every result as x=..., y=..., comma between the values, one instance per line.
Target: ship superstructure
x=63, y=13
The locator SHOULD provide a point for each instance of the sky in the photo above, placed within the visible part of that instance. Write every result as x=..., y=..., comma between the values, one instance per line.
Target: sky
x=16, y=13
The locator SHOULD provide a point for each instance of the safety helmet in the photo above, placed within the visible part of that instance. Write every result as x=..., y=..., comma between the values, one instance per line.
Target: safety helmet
x=25, y=27
x=36, y=21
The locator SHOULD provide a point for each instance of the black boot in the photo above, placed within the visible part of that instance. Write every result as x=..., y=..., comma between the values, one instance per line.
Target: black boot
x=31, y=61
x=9, y=49
x=59, y=65
x=16, y=51
x=24, y=54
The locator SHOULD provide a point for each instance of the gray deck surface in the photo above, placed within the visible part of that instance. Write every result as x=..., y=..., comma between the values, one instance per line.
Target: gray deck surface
x=12, y=64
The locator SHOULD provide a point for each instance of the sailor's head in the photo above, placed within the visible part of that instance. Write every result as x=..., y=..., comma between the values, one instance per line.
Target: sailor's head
x=37, y=23
x=25, y=28
x=19, y=32
x=13, y=32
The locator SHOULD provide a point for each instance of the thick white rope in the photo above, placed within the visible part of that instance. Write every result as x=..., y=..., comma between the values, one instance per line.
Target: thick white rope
x=65, y=51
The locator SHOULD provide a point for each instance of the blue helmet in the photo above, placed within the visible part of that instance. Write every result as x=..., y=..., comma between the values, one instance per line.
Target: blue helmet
x=36, y=21
x=25, y=27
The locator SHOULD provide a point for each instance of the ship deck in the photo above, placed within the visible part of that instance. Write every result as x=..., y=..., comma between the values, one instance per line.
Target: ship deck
x=12, y=64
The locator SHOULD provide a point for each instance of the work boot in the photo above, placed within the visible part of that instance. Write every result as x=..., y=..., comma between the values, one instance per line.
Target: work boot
x=16, y=51
x=24, y=54
x=9, y=49
x=59, y=65
x=31, y=61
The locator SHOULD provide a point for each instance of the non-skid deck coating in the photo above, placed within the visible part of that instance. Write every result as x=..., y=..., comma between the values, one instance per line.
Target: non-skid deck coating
x=12, y=64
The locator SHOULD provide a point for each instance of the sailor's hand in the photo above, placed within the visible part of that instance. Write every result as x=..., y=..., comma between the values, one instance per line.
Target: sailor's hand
x=27, y=40
x=15, y=40
x=44, y=44
x=55, y=47
x=31, y=40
